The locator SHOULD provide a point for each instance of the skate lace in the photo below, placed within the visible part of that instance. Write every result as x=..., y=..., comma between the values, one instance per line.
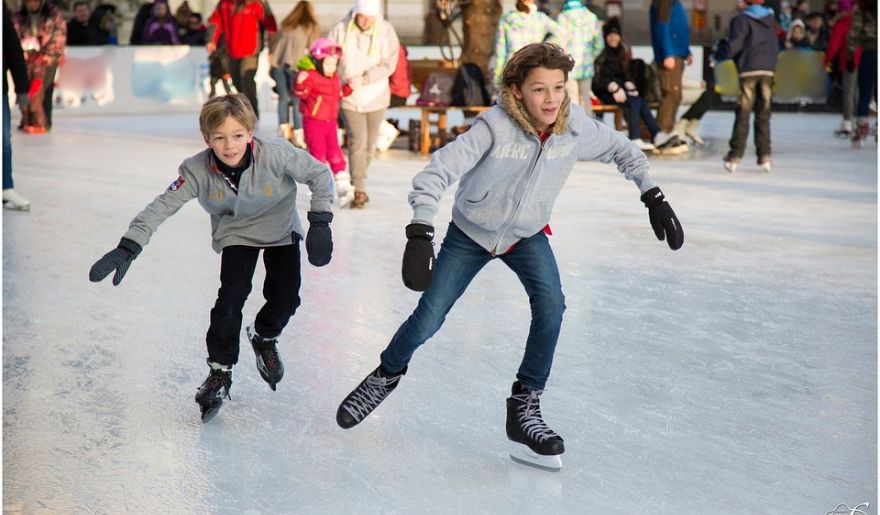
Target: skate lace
x=372, y=392
x=217, y=380
x=530, y=416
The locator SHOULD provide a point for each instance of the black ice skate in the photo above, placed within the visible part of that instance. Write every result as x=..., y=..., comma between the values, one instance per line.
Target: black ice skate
x=531, y=441
x=366, y=397
x=211, y=393
x=268, y=360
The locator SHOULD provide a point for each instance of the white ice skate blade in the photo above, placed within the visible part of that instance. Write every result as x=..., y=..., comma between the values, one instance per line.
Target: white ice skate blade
x=522, y=454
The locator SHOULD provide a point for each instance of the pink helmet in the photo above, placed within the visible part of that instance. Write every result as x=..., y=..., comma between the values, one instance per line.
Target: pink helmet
x=324, y=47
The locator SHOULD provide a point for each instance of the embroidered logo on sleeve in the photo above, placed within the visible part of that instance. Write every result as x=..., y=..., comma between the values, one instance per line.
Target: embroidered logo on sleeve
x=176, y=184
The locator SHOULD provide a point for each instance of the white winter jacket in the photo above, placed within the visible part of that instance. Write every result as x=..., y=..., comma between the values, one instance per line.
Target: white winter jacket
x=368, y=60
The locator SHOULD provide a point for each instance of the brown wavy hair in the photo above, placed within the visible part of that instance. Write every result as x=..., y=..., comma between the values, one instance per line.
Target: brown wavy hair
x=535, y=55
x=302, y=15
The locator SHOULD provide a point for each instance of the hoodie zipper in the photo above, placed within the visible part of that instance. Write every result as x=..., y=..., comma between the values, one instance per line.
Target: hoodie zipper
x=518, y=195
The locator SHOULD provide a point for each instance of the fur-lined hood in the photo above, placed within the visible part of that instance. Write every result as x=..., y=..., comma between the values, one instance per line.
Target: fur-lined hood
x=520, y=116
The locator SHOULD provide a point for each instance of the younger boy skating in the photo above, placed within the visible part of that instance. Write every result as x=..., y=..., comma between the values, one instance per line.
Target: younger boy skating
x=248, y=185
x=320, y=90
x=511, y=164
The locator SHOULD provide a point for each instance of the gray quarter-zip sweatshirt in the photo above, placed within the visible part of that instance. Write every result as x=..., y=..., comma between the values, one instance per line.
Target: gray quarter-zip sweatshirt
x=508, y=179
x=263, y=212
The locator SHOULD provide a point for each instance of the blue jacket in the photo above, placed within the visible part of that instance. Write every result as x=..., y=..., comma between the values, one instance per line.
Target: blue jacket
x=752, y=42
x=670, y=38
x=508, y=179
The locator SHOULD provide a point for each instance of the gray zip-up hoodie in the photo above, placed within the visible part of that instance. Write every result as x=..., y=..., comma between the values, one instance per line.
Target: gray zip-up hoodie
x=263, y=212
x=509, y=180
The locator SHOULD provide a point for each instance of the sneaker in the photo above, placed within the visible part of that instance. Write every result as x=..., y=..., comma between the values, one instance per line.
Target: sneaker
x=212, y=392
x=730, y=163
x=367, y=397
x=532, y=441
x=268, y=360
x=643, y=145
x=360, y=198
x=12, y=200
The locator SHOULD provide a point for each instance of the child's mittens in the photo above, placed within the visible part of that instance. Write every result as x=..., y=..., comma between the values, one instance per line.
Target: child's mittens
x=663, y=219
x=418, y=257
x=118, y=259
x=319, y=240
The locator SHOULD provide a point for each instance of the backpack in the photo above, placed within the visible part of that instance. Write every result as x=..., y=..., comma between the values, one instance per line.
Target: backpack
x=469, y=87
x=436, y=90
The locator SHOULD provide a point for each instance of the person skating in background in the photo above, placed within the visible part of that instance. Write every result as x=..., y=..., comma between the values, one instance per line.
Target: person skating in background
x=584, y=41
x=838, y=59
x=369, y=56
x=14, y=66
x=613, y=85
x=753, y=46
x=43, y=36
x=79, y=30
x=248, y=185
x=299, y=29
x=218, y=69
x=241, y=23
x=520, y=150
x=863, y=35
x=670, y=40
x=516, y=29
x=320, y=91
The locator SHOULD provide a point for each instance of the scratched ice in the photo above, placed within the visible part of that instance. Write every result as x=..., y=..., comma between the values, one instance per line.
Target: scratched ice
x=738, y=375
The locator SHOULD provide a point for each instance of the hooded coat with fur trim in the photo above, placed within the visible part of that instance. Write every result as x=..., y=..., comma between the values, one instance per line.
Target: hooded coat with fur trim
x=509, y=179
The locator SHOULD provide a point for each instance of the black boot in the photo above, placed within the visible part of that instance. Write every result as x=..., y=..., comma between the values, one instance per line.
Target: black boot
x=268, y=360
x=210, y=395
x=366, y=397
x=532, y=442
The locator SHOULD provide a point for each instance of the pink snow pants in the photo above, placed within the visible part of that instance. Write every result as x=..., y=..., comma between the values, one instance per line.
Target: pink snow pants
x=323, y=143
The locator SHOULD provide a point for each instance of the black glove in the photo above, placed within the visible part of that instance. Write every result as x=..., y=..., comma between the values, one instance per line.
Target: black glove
x=663, y=219
x=118, y=259
x=418, y=257
x=319, y=240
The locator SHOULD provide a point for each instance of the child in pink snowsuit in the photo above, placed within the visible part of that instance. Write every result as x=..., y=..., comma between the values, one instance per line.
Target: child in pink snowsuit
x=320, y=90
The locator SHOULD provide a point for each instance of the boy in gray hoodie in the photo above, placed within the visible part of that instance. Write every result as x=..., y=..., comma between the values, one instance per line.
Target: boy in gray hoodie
x=511, y=165
x=248, y=185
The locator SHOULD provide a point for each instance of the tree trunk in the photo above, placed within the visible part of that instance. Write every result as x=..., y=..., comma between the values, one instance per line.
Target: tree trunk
x=480, y=21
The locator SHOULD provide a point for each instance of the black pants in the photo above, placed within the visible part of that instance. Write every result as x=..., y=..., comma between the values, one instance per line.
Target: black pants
x=243, y=72
x=280, y=289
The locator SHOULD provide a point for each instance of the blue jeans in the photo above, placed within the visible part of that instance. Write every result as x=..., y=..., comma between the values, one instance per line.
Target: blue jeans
x=284, y=78
x=459, y=261
x=7, y=143
x=637, y=108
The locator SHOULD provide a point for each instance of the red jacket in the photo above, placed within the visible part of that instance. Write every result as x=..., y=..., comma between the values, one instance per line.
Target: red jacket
x=399, y=82
x=242, y=27
x=320, y=95
x=837, y=44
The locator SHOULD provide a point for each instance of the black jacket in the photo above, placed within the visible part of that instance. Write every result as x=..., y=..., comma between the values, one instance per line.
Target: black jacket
x=752, y=42
x=13, y=57
x=609, y=68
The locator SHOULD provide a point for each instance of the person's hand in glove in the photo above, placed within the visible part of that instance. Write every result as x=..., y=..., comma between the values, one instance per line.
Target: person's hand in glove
x=118, y=259
x=418, y=257
x=319, y=240
x=663, y=219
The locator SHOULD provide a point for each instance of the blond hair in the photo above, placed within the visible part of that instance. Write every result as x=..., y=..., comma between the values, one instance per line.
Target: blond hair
x=216, y=110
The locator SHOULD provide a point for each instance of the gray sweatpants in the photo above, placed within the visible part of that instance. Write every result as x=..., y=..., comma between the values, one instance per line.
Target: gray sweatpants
x=363, y=131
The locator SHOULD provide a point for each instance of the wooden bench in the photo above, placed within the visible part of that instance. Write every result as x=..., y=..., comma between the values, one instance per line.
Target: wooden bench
x=438, y=117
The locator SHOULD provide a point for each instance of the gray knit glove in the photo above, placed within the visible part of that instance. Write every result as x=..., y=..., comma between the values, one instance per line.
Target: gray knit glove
x=118, y=259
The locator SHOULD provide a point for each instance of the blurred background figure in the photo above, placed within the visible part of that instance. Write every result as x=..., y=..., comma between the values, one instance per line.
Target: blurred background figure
x=13, y=61
x=43, y=36
x=196, y=33
x=79, y=27
x=104, y=24
x=161, y=27
x=243, y=23
x=299, y=29
x=583, y=33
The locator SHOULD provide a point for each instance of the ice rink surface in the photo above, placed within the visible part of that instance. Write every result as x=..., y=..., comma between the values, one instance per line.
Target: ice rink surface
x=737, y=375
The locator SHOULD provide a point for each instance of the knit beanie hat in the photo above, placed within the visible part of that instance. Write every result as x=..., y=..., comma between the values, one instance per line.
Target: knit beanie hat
x=612, y=26
x=367, y=7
